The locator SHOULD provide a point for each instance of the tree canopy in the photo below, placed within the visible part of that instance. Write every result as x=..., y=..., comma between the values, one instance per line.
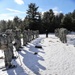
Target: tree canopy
x=35, y=20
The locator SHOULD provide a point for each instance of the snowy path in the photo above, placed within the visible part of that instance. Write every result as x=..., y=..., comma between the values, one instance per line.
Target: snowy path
x=55, y=58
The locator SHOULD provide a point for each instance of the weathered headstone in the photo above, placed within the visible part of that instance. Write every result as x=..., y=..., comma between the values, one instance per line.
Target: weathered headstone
x=5, y=47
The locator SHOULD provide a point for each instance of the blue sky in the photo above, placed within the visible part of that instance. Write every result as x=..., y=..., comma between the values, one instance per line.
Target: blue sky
x=11, y=8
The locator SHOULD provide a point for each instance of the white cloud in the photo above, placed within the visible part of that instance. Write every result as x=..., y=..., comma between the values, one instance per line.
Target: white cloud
x=56, y=10
x=10, y=16
x=6, y=17
x=40, y=9
x=15, y=11
x=42, y=12
x=20, y=2
x=60, y=11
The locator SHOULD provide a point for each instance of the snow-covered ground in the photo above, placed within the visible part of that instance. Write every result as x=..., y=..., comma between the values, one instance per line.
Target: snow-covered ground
x=55, y=58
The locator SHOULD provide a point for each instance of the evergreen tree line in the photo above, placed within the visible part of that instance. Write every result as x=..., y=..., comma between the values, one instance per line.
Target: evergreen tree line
x=35, y=20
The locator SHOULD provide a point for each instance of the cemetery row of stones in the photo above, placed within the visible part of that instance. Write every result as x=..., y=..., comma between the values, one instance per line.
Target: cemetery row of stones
x=61, y=33
x=11, y=38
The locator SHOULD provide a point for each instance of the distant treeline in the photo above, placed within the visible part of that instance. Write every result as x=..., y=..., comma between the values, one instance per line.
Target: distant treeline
x=36, y=20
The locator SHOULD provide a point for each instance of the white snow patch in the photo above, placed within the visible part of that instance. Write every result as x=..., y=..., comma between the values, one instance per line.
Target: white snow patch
x=55, y=58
